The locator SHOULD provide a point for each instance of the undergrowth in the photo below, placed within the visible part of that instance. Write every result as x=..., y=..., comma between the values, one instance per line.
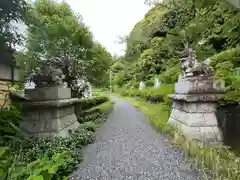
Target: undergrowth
x=47, y=158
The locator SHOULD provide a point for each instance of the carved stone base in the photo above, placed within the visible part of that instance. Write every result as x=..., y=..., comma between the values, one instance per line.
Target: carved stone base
x=196, y=119
x=199, y=85
x=48, y=93
x=49, y=118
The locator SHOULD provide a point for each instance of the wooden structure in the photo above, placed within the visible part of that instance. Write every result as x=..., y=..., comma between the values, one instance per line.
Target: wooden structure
x=9, y=72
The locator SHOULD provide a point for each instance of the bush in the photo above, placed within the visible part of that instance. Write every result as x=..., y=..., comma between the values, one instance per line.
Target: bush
x=9, y=118
x=40, y=169
x=41, y=152
x=170, y=75
x=225, y=64
x=102, y=108
x=84, y=104
x=149, y=83
x=151, y=94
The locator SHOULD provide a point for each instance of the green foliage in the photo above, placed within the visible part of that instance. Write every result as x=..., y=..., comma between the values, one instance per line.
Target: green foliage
x=49, y=157
x=55, y=30
x=222, y=163
x=12, y=11
x=117, y=66
x=149, y=83
x=170, y=75
x=91, y=102
x=225, y=64
x=10, y=118
x=153, y=46
x=151, y=94
x=102, y=108
x=43, y=168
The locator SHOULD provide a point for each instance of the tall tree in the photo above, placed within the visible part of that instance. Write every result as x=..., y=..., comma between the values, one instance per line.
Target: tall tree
x=11, y=11
x=101, y=61
x=56, y=31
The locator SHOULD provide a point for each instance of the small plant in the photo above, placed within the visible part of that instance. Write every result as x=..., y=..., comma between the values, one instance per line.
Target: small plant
x=217, y=163
x=41, y=169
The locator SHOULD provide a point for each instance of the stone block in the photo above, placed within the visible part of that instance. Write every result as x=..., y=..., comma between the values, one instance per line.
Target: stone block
x=66, y=110
x=67, y=120
x=196, y=86
x=32, y=115
x=50, y=118
x=197, y=97
x=67, y=131
x=48, y=93
x=196, y=125
x=211, y=135
x=192, y=133
x=199, y=107
x=49, y=113
x=210, y=119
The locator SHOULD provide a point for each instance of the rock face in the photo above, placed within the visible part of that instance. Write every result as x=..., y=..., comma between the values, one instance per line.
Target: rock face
x=194, y=102
x=50, y=112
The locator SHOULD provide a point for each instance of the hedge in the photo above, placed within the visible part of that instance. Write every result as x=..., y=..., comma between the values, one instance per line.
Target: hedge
x=151, y=94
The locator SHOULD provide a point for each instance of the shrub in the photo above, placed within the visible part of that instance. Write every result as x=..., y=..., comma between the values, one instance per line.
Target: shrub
x=170, y=75
x=9, y=118
x=40, y=169
x=220, y=163
x=224, y=64
x=84, y=104
x=42, y=152
x=151, y=94
x=102, y=108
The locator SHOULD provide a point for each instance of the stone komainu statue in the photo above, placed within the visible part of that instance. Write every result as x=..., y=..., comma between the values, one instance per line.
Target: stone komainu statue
x=191, y=67
x=49, y=74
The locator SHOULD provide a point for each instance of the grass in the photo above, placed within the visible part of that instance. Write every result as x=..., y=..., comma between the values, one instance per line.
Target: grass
x=99, y=92
x=215, y=163
x=103, y=108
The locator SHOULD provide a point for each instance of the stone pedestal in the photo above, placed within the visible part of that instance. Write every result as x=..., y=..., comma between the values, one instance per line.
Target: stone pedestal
x=194, y=108
x=50, y=112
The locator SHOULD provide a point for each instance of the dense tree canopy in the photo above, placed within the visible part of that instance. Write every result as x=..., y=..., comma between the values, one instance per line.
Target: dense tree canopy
x=55, y=30
x=153, y=46
x=11, y=11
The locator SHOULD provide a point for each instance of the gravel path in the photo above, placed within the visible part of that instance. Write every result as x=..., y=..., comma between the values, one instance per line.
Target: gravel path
x=128, y=148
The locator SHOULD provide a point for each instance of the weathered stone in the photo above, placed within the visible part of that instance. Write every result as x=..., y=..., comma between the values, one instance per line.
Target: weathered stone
x=211, y=135
x=198, y=85
x=197, y=97
x=199, y=107
x=50, y=118
x=194, y=103
x=192, y=133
